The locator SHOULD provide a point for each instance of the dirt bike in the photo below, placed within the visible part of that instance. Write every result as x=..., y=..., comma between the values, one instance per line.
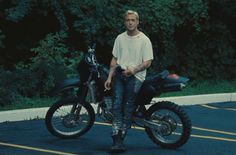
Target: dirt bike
x=166, y=123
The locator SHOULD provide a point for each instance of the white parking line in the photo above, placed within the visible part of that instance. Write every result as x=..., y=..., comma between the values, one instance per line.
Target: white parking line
x=214, y=107
x=35, y=149
x=193, y=135
x=138, y=128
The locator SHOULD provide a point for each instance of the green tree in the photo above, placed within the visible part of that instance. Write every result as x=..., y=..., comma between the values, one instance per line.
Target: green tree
x=2, y=36
x=192, y=37
x=181, y=30
x=23, y=8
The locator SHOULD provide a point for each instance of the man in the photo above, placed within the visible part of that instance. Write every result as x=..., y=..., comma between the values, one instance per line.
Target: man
x=132, y=51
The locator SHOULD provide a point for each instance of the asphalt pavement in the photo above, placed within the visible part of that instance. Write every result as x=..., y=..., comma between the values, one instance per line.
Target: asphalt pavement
x=213, y=133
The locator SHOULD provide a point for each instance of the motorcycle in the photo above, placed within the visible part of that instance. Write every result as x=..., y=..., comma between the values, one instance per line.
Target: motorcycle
x=165, y=122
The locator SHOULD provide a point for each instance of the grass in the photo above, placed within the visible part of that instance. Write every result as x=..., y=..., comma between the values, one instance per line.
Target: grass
x=193, y=88
x=205, y=87
x=25, y=103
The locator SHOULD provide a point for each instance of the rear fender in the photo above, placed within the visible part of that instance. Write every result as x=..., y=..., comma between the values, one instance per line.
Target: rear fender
x=174, y=82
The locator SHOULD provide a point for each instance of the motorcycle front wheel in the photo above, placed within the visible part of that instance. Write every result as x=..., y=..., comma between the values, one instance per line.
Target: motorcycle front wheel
x=68, y=118
x=172, y=126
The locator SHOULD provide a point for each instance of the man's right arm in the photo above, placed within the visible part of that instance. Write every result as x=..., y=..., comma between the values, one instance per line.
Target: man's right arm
x=113, y=66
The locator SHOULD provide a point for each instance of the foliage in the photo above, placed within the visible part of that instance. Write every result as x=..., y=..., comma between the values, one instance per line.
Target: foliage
x=181, y=31
x=192, y=37
x=20, y=10
x=13, y=82
x=58, y=11
x=212, y=57
x=5, y=95
x=23, y=8
x=52, y=63
x=158, y=19
x=97, y=22
x=205, y=87
x=26, y=102
x=164, y=19
x=2, y=36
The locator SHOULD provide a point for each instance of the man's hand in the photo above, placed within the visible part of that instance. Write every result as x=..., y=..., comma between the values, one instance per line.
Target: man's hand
x=129, y=71
x=107, y=84
x=133, y=70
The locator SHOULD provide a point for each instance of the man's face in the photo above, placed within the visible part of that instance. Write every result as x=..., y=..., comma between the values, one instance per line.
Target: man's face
x=131, y=22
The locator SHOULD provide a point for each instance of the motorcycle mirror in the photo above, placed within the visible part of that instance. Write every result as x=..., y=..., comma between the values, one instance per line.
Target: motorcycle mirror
x=92, y=49
x=94, y=46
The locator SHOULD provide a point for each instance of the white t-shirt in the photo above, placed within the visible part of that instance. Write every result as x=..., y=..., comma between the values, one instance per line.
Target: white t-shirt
x=132, y=51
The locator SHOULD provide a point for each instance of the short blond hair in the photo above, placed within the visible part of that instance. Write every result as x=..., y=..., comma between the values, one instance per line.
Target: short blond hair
x=128, y=12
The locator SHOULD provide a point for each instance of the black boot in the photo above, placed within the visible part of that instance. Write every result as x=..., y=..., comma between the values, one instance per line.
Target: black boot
x=117, y=146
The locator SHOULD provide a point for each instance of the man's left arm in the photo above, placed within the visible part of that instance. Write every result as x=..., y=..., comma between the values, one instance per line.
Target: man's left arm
x=133, y=70
x=141, y=67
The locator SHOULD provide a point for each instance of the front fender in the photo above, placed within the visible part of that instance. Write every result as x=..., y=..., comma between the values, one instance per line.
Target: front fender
x=65, y=85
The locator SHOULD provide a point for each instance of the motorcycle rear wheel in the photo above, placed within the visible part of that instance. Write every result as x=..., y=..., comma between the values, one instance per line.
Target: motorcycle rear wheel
x=174, y=126
x=63, y=123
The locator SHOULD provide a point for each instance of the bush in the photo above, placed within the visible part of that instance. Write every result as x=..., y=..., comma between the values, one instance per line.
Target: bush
x=191, y=37
x=12, y=83
x=2, y=36
x=52, y=63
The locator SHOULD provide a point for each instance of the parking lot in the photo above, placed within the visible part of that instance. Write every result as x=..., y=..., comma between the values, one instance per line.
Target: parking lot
x=213, y=133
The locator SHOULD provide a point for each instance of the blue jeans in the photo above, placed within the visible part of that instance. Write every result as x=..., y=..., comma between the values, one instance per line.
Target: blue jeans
x=125, y=90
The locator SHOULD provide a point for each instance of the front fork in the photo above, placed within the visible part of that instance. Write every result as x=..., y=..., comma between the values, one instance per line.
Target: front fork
x=76, y=108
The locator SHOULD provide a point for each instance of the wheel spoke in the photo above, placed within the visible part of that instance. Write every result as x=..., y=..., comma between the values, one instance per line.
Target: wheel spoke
x=64, y=122
x=173, y=125
x=168, y=128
